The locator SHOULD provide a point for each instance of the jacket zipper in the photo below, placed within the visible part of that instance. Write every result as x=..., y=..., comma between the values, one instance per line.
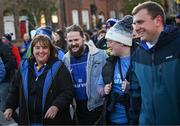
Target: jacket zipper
x=35, y=97
x=26, y=102
x=153, y=83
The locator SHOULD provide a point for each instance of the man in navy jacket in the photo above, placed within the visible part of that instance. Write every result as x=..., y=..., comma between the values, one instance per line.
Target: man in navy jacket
x=155, y=69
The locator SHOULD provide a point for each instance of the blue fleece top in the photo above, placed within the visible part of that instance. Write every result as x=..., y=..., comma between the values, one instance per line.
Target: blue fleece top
x=78, y=67
x=119, y=115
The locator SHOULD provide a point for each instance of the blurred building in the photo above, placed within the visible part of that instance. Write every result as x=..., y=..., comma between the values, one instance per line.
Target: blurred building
x=21, y=16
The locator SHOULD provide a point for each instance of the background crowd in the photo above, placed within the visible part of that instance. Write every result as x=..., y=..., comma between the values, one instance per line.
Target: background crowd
x=124, y=73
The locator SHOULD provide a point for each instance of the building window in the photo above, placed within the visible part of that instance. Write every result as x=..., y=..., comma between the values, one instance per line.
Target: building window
x=43, y=20
x=120, y=15
x=9, y=23
x=54, y=17
x=24, y=24
x=75, y=17
x=101, y=17
x=85, y=19
x=113, y=14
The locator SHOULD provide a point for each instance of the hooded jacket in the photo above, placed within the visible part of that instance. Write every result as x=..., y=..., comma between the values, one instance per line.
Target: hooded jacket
x=57, y=90
x=95, y=62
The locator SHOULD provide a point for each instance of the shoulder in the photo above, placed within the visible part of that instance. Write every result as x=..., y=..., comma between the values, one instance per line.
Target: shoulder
x=25, y=63
x=100, y=56
x=66, y=55
x=1, y=64
x=66, y=58
x=5, y=47
x=172, y=38
x=102, y=53
x=110, y=61
x=63, y=70
x=1, y=60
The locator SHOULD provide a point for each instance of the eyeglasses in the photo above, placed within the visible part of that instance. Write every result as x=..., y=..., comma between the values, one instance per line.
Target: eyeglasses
x=43, y=47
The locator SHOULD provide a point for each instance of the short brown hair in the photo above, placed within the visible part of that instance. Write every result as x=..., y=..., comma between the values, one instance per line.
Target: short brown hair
x=153, y=8
x=46, y=42
x=101, y=31
x=75, y=28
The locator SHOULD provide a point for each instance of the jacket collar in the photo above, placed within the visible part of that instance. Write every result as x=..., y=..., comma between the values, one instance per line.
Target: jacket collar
x=166, y=37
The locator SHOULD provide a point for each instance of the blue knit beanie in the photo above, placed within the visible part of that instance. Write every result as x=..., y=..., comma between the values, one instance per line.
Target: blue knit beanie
x=46, y=31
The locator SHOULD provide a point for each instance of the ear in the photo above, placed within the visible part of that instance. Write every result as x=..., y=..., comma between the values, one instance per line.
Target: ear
x=84, y=39
x=158, y=20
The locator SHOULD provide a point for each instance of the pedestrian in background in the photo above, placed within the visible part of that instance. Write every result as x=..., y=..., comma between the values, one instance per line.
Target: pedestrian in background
x=24, y=47
x=7, y=39
x=178, y=20
x=10, y=66
x=3, y=121
x=60, y=40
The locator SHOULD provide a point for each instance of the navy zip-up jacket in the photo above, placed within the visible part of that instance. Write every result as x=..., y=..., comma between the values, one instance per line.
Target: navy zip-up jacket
x=155, y=82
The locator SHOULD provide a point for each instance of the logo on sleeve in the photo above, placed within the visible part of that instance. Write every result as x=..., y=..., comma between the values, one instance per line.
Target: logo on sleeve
x=169, y=57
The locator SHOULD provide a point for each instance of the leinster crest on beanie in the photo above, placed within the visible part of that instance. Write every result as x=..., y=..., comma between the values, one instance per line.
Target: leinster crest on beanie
x=122, y=31
x=111, y=21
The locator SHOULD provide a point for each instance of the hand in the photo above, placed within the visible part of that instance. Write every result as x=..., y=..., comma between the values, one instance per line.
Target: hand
x=107, y=88
x=125, y=86
x=51, y=112
x=8, y=114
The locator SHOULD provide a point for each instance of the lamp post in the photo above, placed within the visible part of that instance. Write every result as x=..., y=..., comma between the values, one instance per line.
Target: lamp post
x=54, y=19
x=93, y=10
x=178, y=5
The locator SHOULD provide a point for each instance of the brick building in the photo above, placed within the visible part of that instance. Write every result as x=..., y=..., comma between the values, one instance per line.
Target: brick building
x=21, y=16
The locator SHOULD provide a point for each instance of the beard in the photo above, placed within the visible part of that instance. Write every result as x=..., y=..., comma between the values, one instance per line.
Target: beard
x=79, y=52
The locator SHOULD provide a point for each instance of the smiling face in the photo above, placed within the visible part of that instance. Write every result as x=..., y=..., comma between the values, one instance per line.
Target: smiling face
x=41, y=48
x=41, y=52
x=145, y=26
x=117, y=49
x=75, y=43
